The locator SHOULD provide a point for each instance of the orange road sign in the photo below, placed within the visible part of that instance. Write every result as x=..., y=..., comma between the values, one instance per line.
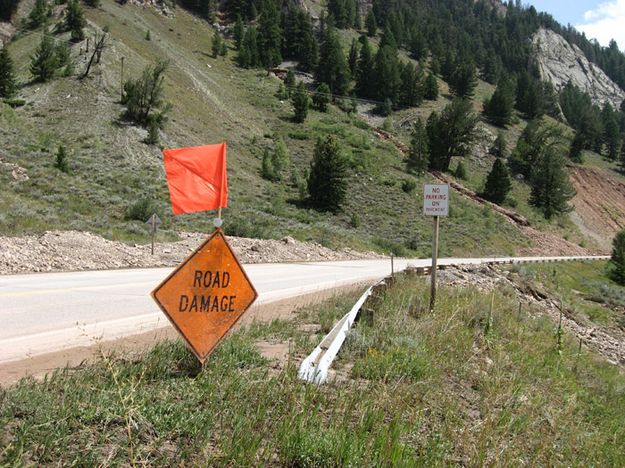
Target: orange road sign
x=206, y=295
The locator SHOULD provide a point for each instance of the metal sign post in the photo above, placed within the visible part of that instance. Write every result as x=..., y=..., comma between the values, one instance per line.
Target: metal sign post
x=154, y=223
x=436, y=204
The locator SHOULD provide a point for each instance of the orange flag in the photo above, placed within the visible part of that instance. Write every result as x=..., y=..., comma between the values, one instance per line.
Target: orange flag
x=197, y=178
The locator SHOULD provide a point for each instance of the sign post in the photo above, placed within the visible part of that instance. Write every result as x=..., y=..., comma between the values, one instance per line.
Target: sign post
x=154, y=223
x=436, y=204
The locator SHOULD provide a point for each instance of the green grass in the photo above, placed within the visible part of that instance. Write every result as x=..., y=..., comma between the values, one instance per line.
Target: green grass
x=413, y=388
x=585, y=287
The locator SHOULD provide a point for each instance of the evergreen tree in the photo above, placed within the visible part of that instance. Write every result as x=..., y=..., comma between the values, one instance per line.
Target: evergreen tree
x=44, y=63
x=551, y=188
x=622, y=158
x=248, y=52
x=611, y=131
x=386, y=75
x=365, y=85
x=498, y=183
x=322, y=98
x=417, y=44
x=537, y=139
x=61, y=162
x=289, y=81
x=238, y=32
x=418, y=157
x=529, y=98
x=463, y=80
x=617, y=260
x=269, y=35
x=371, y=24
x=38, y=15
x=216, y=45
x=7, y=75
x=352, y=60
x=498, y=109
x=327, y=182
x=577, y=145
x=7, y=8
x=388, y=39
x=143, y=97
x=461, y=171
x=411, y=91
x=500, y=147
x=430, y=91
x=301, y=101
x=224, y=49
x=450, y=133
x=332, y=68
x=75, y=21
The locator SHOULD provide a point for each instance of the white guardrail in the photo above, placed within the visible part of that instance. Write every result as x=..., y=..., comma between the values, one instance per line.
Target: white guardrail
x=314, y=369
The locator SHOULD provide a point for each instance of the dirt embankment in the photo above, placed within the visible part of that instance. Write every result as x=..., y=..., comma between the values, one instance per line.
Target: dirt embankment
x=609, y=341
x=599, y=204
x=73, y=251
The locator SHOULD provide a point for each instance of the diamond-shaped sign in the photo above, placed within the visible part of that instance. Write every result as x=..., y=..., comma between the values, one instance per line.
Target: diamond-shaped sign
x=206, y=295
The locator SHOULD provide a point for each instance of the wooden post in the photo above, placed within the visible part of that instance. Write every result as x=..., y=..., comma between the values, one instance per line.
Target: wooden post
x=121, y=82
x=434, y=262
x=153, y=232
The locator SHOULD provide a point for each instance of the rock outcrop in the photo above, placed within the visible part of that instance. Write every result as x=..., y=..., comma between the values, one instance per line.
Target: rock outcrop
x=560, y=62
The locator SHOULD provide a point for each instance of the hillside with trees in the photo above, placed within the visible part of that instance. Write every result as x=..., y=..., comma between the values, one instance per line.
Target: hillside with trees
x=402, y=88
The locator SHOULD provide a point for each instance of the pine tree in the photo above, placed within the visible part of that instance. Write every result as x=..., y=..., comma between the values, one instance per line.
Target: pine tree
x=577, y=145
x=411, y=91
x=352, y=60
x=224, y=49
x=75, y=21
x=500, y=147
x=289, y=81
x=44, y=63
x=622, y=158
x=461, y=171
x=617, y=260
x=430, y=91
x=248, y=52
x=498, y=109
x=238, y=32
x=38, y=15
x=371, y=24
x=332, y=68
x=418, y=157
x=7, y=75
x=386, y=76
x=365, y=86
x=216, y=46
x=450, y=133
x=322, y=98
x=301, y=102
x=463, y=80
x=537, y=139
x=61, y=162
x=269, y=35
x=498, y=183
x=327, y=182
x=551, y=188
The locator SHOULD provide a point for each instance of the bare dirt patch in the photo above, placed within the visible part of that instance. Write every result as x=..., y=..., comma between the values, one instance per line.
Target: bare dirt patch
x=74, y=251
x=598, y=215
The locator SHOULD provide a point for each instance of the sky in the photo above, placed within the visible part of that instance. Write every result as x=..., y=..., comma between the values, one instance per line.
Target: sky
x=600, y=19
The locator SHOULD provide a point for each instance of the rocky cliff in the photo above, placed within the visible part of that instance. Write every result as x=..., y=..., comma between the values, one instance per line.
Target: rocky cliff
x=560, y=62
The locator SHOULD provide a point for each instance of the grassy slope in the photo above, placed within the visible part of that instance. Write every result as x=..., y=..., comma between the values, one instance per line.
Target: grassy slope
x=213, y=100
x=414, y=389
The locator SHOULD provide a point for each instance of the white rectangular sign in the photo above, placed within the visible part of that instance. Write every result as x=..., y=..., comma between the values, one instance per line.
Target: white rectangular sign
x=436, y=200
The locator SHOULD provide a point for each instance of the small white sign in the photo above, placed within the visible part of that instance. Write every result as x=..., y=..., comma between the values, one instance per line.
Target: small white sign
x=436, y=200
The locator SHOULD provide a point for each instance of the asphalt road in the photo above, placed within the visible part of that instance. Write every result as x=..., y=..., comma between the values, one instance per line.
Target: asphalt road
x=42, y=313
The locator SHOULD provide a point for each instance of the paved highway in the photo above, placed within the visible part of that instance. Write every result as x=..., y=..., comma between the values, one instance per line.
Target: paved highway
x=46, y=312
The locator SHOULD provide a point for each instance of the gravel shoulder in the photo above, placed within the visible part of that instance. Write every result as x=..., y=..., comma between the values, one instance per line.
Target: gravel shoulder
x=76, y=251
